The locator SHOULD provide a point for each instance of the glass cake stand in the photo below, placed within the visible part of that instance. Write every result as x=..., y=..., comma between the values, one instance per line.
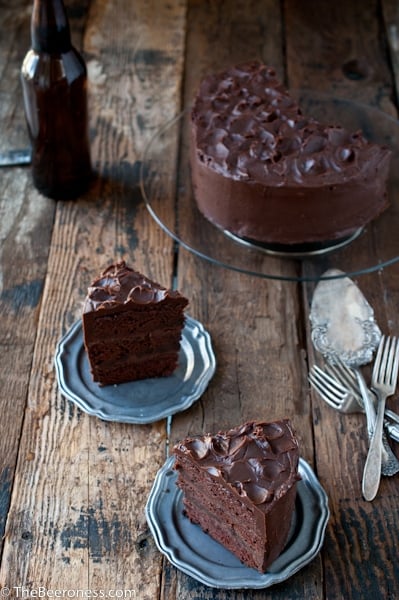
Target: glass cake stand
x=166, y=188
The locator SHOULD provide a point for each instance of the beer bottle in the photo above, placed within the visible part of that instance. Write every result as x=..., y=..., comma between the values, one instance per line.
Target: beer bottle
x=54, y=84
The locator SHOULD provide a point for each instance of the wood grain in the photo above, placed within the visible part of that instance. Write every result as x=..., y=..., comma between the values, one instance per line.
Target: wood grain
x=26, y=220
x=93, y=535
x=351, y=63
x=390, y=11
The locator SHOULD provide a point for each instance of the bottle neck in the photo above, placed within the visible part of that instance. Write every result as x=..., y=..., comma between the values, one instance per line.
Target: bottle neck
x=50, y=27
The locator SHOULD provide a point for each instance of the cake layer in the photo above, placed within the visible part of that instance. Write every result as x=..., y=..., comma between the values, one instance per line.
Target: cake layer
x=226, y=534
x=162, y=366
x=132, y=320
x=264, y=171
x=222, y=499
x=125, y=348
x=208, y=499
x=255, y=551
x=136, y=320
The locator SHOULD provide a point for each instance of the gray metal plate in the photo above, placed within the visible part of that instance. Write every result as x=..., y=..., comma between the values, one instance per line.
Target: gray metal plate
x=195, y=553
x=143, y=401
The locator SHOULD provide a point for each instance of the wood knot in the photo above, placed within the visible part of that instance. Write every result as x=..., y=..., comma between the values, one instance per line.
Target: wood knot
x=356, y=69
x=142, y=542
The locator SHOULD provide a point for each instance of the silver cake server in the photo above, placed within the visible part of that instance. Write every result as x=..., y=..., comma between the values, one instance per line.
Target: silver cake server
x=344, y=329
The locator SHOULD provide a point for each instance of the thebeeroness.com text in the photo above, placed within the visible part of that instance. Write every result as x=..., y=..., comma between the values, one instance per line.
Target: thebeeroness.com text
x=23, y=592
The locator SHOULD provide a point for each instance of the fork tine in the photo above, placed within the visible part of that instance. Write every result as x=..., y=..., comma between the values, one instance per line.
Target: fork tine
x=345, y=375
x=395, y=358
x=327, y=381
x=391, y=367
x=392, y=362
x=328, y=388
x=389, y=360
x=382, y=349
x=323, y=393
x=385, y=366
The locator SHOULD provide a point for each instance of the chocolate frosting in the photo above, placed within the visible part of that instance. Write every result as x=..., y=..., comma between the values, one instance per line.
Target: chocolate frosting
x=249, y=127
x=263, y=171
x=119, y=284
x=259, y=459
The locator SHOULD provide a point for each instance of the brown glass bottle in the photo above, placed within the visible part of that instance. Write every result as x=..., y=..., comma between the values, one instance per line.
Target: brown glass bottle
x=54, y=83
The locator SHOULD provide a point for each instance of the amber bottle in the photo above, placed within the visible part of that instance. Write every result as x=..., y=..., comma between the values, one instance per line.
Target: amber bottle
x=54, y=83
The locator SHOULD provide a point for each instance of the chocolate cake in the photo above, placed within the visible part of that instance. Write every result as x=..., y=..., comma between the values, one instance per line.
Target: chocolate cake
x=240, y=487
x=132, y=326
x=265, y=172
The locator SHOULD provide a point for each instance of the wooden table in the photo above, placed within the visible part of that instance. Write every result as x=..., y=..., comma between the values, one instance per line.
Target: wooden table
x=73, y=487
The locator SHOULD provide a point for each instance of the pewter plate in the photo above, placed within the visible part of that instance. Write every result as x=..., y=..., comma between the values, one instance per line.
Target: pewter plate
x=143, y=401
x=195, y=553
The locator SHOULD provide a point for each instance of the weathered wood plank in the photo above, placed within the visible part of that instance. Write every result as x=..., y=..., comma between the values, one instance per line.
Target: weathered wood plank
x=391, y=18
x=77, y=514
x=253, y=322
x=326, y=52
x=25, y=232
x=347, y=62
x=347, y=59
x=14, y=43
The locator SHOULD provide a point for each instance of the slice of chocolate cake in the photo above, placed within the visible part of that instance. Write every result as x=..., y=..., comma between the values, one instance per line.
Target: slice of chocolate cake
x=240, y=487
x=132, y=326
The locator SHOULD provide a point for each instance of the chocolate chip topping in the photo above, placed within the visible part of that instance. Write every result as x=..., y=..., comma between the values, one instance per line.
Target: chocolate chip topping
x=119, y=284
x=248, y=126
x=255, y=458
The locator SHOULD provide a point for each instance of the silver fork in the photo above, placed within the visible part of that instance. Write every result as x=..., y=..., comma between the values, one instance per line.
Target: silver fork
x=335, y=390
x=346, y=376
x=383, y=382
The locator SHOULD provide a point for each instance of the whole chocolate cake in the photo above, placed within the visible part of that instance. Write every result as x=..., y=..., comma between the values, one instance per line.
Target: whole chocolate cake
x=265, y=172
x=240, y=487
x=132, y=326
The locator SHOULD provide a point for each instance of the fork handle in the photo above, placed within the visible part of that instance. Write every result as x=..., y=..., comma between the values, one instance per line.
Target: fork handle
x=392, y=429
x=392, y=416
x=372, y=467
x=367, y=402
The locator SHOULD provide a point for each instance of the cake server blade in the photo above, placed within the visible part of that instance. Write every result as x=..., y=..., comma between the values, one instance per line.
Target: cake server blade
x=15, y=158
